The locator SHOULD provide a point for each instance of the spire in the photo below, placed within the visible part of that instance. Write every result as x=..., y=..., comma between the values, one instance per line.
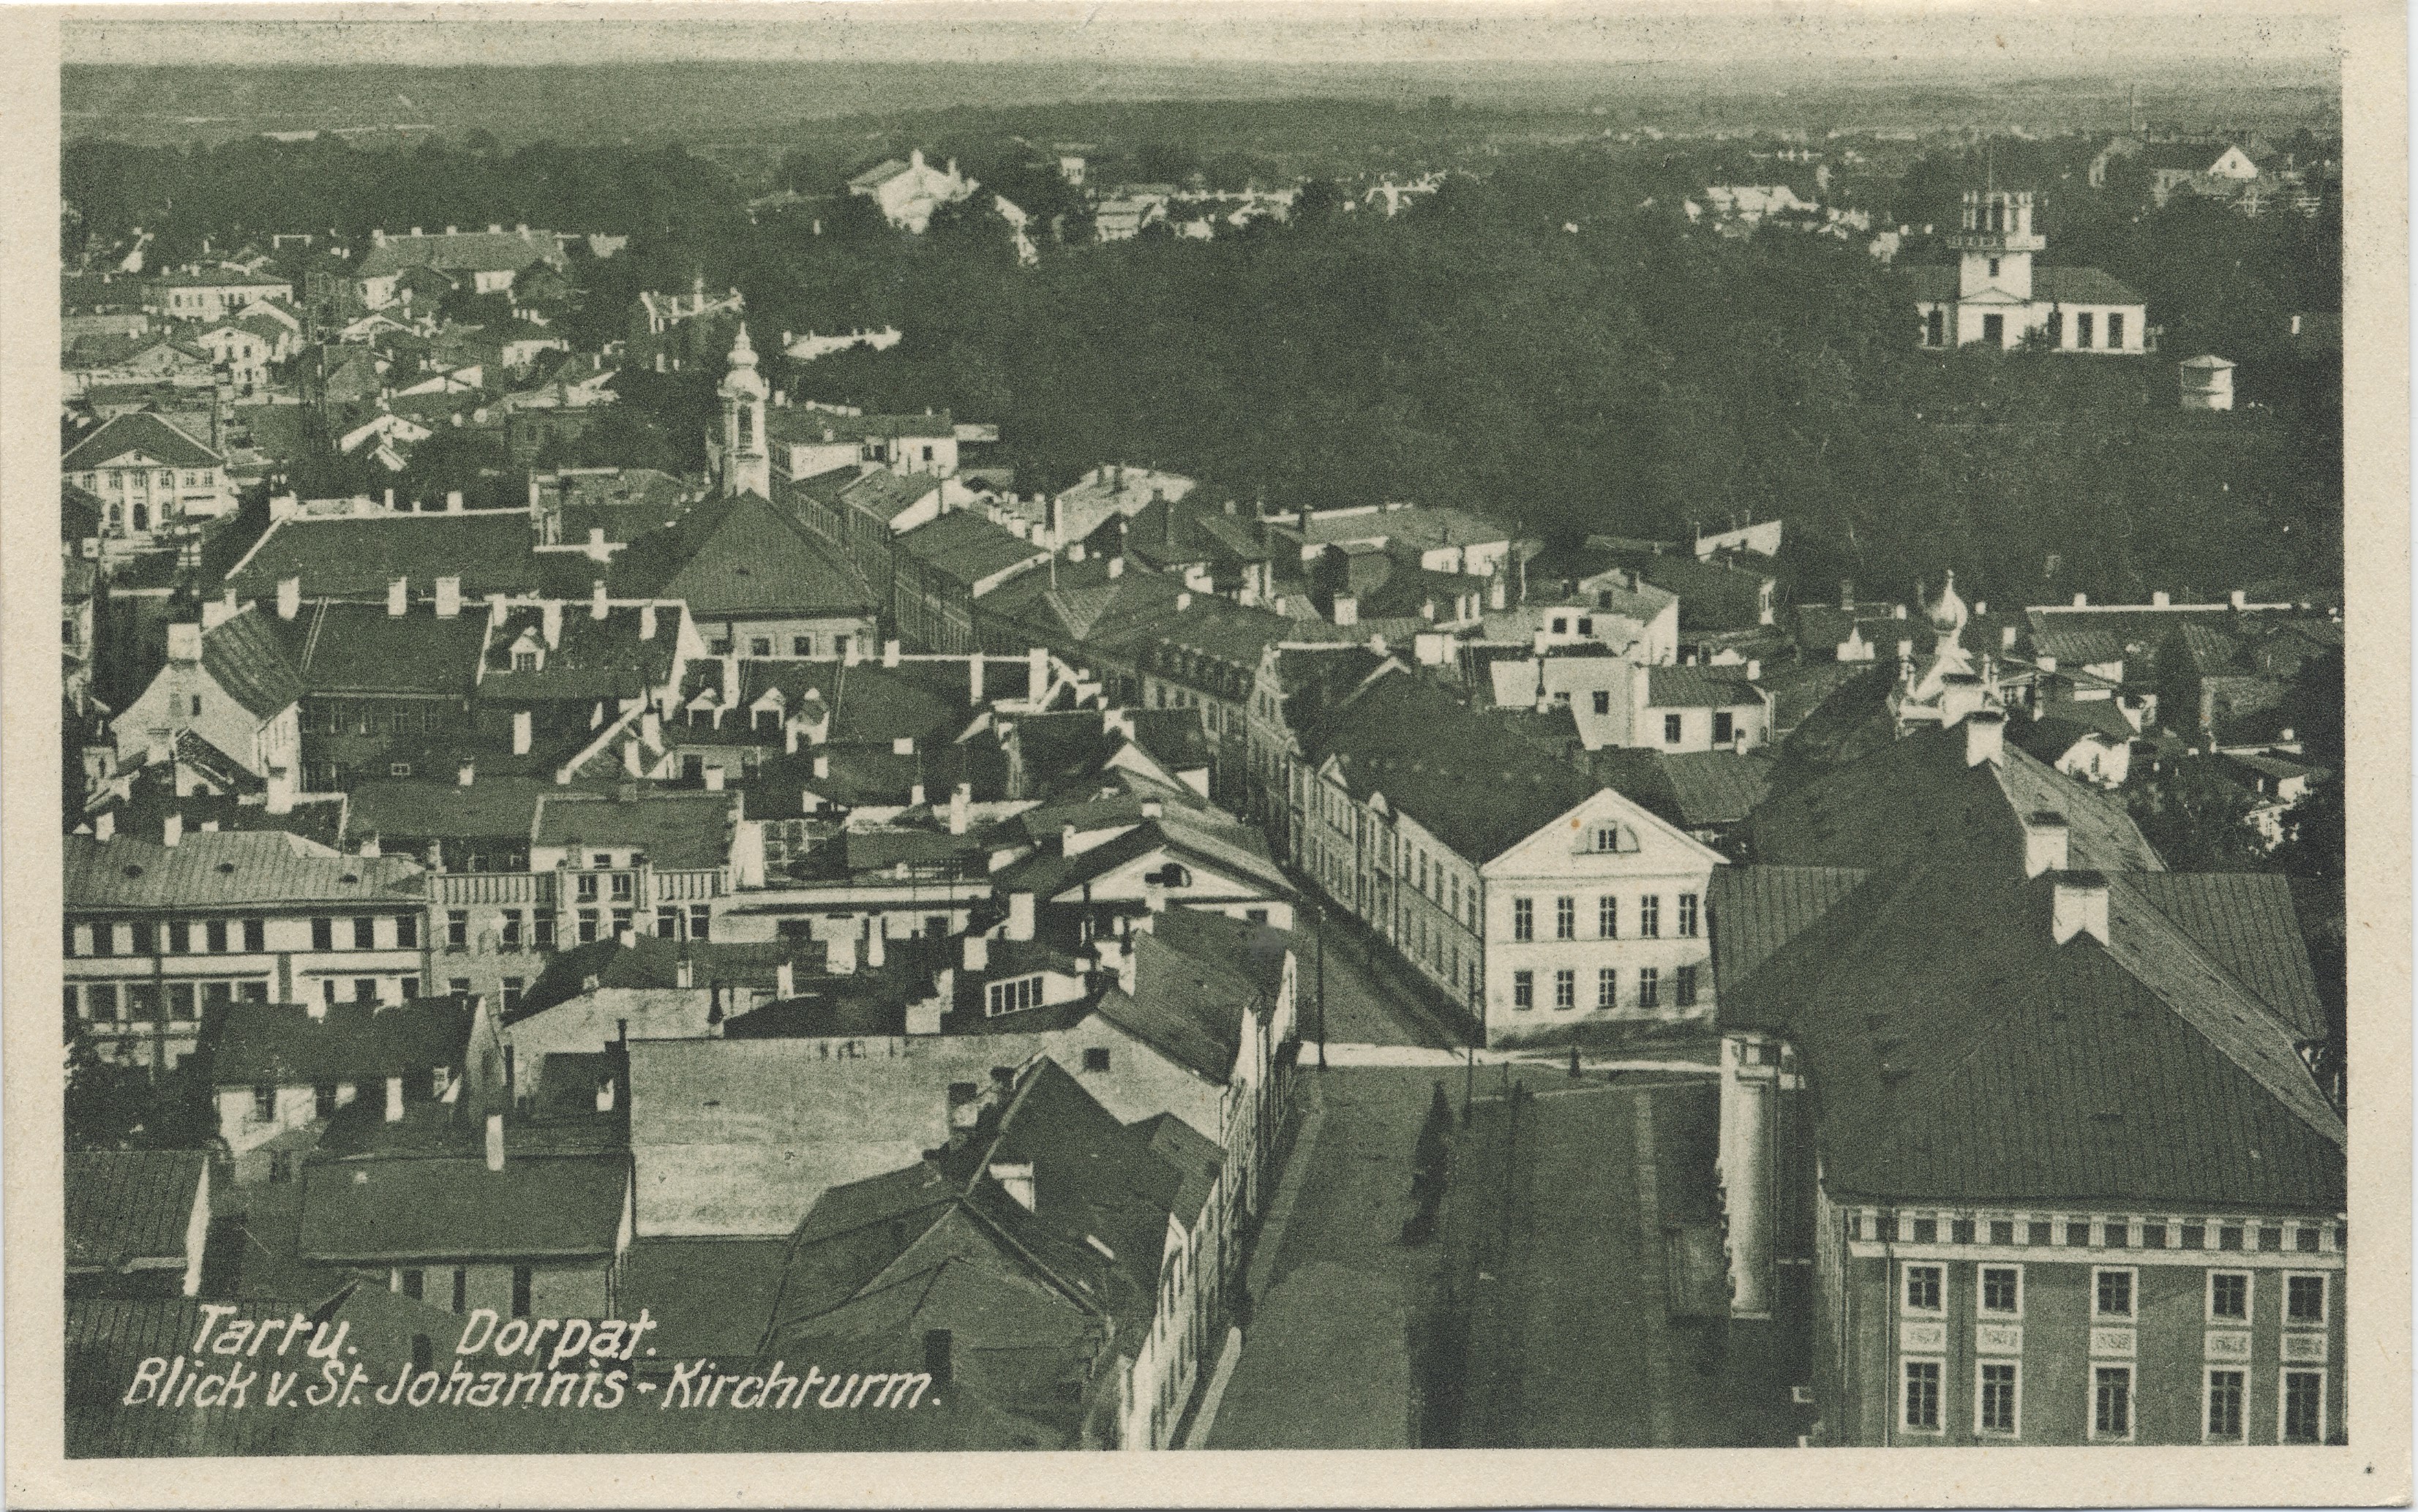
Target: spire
x=1949, y=614
x=742, y=354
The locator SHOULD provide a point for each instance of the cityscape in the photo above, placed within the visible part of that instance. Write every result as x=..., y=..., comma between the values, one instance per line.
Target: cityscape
x=1201, y=738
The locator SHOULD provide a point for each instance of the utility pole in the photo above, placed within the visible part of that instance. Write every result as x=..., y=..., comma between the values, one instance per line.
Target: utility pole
x=1469, y=1060
x=1318, y=923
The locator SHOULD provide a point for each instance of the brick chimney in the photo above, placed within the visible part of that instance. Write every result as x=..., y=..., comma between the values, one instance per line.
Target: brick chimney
x=394, y=1099
x=2080, y=907
x=597, y=606
x=1020, y=917
x=520, y=732
x=289, y=597
x=172, y=830
x=960, y=801
x=496, y=1131
x=2045, y=842
x=1985, y=738
x=448, y=598
x=977, y=957
x=185, y=640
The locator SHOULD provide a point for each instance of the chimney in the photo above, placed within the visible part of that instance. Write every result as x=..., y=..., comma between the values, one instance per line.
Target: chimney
x=731, y=679
x=974, y=680
x=1016, y=1178
x=1906, y=650
x=435, y=861
x=1183, y=601
x=1153, y=809
x=784, y=979
x=105, y=826
x=398, y=596
x=185, y=641
x=597, y=608
x=2080, y=907
x=960, y=800
x=370, y=849
x=1066, y=839
x=603, y=1099
x=903, y=745
x=469, y=772
x=281, y=789
x=496, y=1135
x=550, y=622
x=915, y=795
x=965, y=1107
x=597, y=550
x=1117, y=566
x=394, y=1099
x=2237, y=597
x=2159, y=599
x=1847, y=594
x=876, y=940
x=977, y=953
x=2045, y=837
x=890, y=652
x=2006, y=638
x=1020, y=917
x=714, y=778
x=1754, y=670
x=454, y=504
x=1985, y=738
x=520, y=732
x=822, y=768
x=1037, y=673
x=172, y=830
x=839, y=957
x=289, y=597
x=850, y=654
x=448, y=598
x=647, y=623
x=1154, y=894
x=2082, y=600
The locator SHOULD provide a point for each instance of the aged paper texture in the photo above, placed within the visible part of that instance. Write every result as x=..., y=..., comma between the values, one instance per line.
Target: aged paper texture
x=1435, y=754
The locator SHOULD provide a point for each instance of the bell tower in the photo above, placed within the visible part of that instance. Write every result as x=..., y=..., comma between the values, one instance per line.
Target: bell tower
x=746, y=456
x=1996, y=244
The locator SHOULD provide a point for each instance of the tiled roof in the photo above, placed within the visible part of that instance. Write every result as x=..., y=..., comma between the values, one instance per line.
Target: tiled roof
x=226, y=869
x=966, y=548
x=805, y=425
x=464, y=252
x=411, y=1207
x=709, y=1296
x=352, y=647
x=1755, y=910
x=886, y=495
x=246, y=657
x=1955, y=1052
x=738, y=556
x=125, y=1206
x=1699, y=687
x=673, y=830
x=650, y=962
x=140, y=432
x=2079, y=285
x=414, y=808
x=286, y=1044
x=2078, y=647
x=1913, y=793
x=2247, y=921
x=591, y=658
x=356, y=558
x=1438, y=761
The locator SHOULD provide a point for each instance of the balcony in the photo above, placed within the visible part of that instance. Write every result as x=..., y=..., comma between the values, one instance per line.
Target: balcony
x=694, y=885
x=460, y=889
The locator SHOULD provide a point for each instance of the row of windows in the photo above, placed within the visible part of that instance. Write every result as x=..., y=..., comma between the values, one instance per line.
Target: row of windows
x=334, y=718
x=1997, y=1402
x=138, y=1002
x=2081, y=1234
x=2112, y=1292
x=1013, y=995
x=123, y=477
x=413, y=1283
x=1607, y=917
x=1607, y=988
x=175, y=937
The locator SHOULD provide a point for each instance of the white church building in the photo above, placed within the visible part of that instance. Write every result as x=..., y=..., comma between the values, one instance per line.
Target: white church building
x=1997, y=297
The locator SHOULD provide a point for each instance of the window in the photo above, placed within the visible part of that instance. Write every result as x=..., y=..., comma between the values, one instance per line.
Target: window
x=1607, y=917
x=1565, y=918
x=180, y=1002
x=1683, y=986
x=624, y=887
x=2002, y=1290
x=2228, y=1296
x=1523, y=918
x=1670, y=729
x=1924, y=1288
x=1960, y=1230
x=1934, y=329
x=1607, y=987
x=514, y=987
x=2111, y=1401
x=365, y=990
x=585, y=887
x=1013, y=995
x=1566, y=989
x=214, y=936
x=2056, y=328
x=460, y=1289
x=2225, y=1397
x=521, y=1279
x=524, y=660
x=457, y=928
x=2082, y=329
x=2115, y=330
x=588, y=927
x=328, y=991
x=511, y=938
x=411, y=988
x=1994, y=268
x=2115, y=1235
x=1997, y=1395
x=365, y=933
x=414, y=1283
x=1649, y=987
x=255, y=935
x=2077, y=1234
x=1994, y=330
x=2195, y=1236
x=700, y=922
x=280, y=1164
x=2112, y=1293
x=323, y=1099
x=759, y=645
x=2228, y=1238
x=802, y=646
x=146, y=939
x=1649, y=916
x=1725, y=726
x=406, y=931
x=1688, y=915
x=263, y=1104
x=1524, y=989
x=2304, y=1406
x=1096, y=1058
x=1602, y=701
x=2153, y=1236
x=323, y=934
x=2304, y=1299
x=542, y=928
x=1922, y=1396
x=101, y=997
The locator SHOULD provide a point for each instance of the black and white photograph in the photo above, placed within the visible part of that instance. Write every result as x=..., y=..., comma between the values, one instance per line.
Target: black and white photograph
x=929, y=727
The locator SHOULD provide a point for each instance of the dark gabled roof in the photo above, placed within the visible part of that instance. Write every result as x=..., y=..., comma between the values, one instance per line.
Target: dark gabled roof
x=1699, y=687
x=885, y=495
x=80, y=514
x=1445, y=765
x=1755, y=910
x=2078, y=646
x=709, y=1296
x=2079, y=285
x=148, y=433
x=229, y=869
x=351, y=648
x=1928, y=283
x=965, y=547
x=419, y=808
x=592, y=659
x=286, y=1044
x=246, y=657
x=1911, y=794
x=125, y=1207
x=738, y=555
x=539, y=1206
x=481, y=251
x=806, y=423
x=673, y=830
x=490, y=551
x=651, y=962
x=2245, y=920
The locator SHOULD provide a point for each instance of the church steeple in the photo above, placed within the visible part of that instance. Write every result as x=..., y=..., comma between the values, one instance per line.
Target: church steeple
x=1996, y=244
x=746, y=456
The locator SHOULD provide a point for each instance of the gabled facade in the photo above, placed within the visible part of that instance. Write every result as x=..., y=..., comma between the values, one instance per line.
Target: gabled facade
x=150, y=475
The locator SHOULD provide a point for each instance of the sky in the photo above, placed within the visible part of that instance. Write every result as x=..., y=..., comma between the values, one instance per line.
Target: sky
x=1959, y=39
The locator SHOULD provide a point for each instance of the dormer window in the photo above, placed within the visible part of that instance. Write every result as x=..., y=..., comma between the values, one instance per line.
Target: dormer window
x=1607, y=838
x=524, y=660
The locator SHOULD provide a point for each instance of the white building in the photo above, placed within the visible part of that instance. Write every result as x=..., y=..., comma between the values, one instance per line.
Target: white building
x=2207, y=383
x=1997, y=298
x=909, y=192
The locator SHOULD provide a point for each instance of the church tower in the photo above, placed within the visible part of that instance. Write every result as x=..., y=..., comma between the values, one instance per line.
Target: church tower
x=1996, y=244
x=746, y=456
